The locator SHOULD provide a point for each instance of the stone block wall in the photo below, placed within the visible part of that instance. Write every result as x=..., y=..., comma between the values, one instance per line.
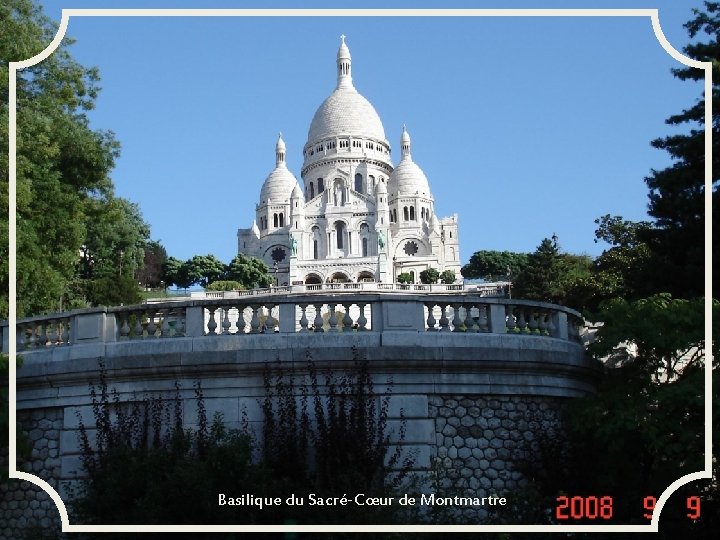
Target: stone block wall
x=26, y=511
x=481, y=439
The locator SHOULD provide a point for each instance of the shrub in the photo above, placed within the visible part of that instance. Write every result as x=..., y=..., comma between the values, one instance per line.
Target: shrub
x=405, y=277
x=447, y=277
x=431, y=275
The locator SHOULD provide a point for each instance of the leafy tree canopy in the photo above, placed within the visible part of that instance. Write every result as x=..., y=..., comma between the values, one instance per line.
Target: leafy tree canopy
x=65, y=203
x=251, y=272
x=431, y=275
x=494, y=265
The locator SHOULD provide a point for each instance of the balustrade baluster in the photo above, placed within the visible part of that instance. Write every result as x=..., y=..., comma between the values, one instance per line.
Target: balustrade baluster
x=42, y=340
x=32, y=339
x=151, y=328
x=138, y=324
x=255, y=320
x=241, y=324
x=509, y=319
x=550, y=325
x=457, y=322
x=303, y=318
x=431, y=317
x=211, y=325
x=533, y=323
x=124, y=327
x=333, y=318
x=362, y=321
x=444, y=322
x=180, y=323
x=543, y=323
x=226, y=321
x=165, y=324
x=318, y=323
x=53, y=335
x=271, y=321
x=347, y=320
x=483, y=318
x=521, y=322
x=470, y=325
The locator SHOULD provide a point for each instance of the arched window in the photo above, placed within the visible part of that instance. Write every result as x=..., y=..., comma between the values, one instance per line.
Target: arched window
x=339, y=232
x=315, y=249
x=321, y=185
x=275, y=220
x=371, y=182
x=312, y=190
x=405, y=213
x=412, y=213
x=412, y=275
x=364, y=247
x=282, y=219
x=358, y=183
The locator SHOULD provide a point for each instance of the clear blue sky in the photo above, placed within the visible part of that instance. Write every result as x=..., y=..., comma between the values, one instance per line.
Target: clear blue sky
x=524, y=126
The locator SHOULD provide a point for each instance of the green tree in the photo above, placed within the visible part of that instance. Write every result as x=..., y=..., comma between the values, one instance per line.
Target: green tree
x=494, y=265
x=251, y=272
x=404, y=277
x=540, y=279
x=447, y=277
x=203, y=270
x=431, y=275
x=113, y=251
x=172, y=273
x=61, y=162
x=151, y=274
x=677, y=192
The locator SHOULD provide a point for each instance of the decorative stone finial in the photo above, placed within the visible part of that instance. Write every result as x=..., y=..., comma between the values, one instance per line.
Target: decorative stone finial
x=405, y=144
x=344, y=64
x=280, y=151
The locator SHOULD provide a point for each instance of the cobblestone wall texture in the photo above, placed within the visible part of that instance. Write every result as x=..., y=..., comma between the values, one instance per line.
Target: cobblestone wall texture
x=26, y=511
x=480, y=440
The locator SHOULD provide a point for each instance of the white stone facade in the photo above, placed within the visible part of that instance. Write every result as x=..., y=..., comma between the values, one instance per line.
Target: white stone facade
x=356, y=216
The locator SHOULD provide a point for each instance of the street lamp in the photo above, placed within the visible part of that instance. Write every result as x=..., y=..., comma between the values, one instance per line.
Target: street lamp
x=275, y=271
x=508, y=274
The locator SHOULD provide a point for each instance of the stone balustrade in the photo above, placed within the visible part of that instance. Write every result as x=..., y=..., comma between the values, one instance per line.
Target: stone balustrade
x=498, y=289
x=473, y=378
x=288, y=314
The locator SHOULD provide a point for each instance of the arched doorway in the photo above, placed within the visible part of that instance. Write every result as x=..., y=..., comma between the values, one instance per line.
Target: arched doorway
x=313, y=279
x=365, y=277
x=339, y=277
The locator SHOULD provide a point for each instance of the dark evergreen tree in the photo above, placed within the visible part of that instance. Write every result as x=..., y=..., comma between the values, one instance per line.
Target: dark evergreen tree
x=677, y=192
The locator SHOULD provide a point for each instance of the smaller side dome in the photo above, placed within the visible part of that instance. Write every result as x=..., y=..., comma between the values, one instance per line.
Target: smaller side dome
x=408, y=178
x=380, y=187
x=279, y=185
x=297, y=192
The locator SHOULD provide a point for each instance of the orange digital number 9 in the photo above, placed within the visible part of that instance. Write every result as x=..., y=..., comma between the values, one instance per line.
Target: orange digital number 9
x=649, y=505
x=693, y=506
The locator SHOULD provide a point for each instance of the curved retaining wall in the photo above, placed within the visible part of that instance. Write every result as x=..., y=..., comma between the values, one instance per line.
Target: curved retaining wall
x=476, y=379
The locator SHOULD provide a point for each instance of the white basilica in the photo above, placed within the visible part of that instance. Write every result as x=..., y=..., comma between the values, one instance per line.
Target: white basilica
x=356, y=218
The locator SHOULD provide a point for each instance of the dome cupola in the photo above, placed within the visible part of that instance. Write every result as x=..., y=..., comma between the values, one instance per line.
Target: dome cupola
x=408, y=178
x=345, y=112
x=279, y=185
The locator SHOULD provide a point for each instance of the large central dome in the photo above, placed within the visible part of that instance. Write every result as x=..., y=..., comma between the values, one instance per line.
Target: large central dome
x=345, y=111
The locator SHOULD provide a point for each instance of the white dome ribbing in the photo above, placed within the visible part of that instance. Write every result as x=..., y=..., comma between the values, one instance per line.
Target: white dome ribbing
x=345, y=111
